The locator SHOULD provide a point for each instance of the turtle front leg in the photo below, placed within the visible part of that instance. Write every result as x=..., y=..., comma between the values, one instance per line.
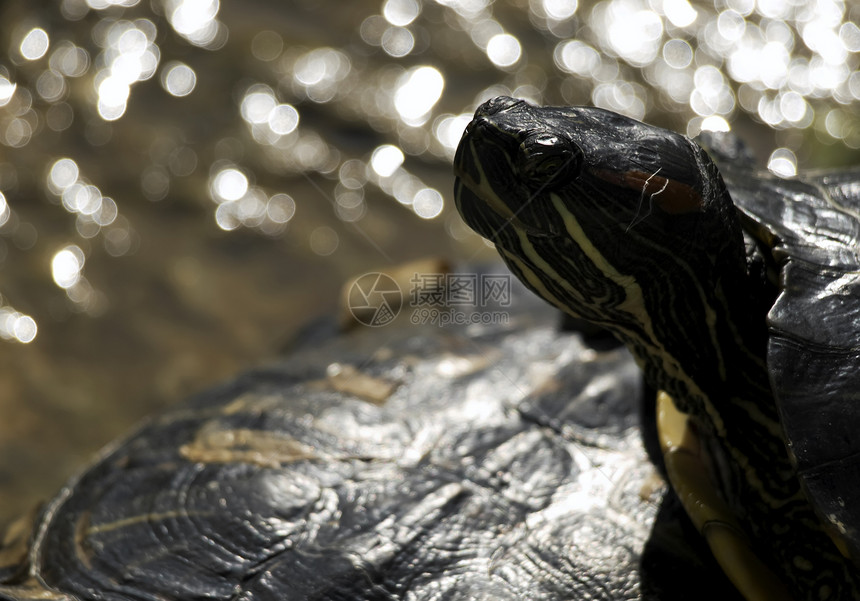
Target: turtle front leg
x=688, y=473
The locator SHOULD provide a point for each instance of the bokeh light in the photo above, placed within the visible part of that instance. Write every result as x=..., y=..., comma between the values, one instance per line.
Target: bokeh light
x=15, y=326
x=63, y=174
x=319, y=73
x=324, y=241
x=386, y=160
x=35, y=44
x=783, y=162
x=397, y=41
x=560, y=9
x=401, y=12
x=229, y=184
x=93, y=210
x=66, y=266
x=283, y=119
x=130, y=55
x=417, y=92
x=504, y=50
x=449, y=129
x=69, y=60
x=428, y=203
x=196, y=21
x=7, y=90
x=178, y=79
x=5, y=212
x=267, y=45
x=280, y=208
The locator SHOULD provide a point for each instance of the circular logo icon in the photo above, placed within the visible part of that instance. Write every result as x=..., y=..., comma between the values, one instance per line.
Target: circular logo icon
x=374, y=299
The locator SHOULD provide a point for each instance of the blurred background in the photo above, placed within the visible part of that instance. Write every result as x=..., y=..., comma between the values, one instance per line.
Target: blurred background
x=185, y=184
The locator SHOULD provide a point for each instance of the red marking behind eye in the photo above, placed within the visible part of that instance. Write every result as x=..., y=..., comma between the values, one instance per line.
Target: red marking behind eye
x=670, y=195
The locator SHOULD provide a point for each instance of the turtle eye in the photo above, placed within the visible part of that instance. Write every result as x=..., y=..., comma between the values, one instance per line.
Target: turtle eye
x=548, y=160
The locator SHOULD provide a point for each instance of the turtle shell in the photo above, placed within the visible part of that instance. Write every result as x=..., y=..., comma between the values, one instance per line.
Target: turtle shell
x=810, y=226
x=495, y=461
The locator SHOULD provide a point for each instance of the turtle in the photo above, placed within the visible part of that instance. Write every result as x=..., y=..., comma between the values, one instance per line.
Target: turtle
x=736, y=290
x=497, y=460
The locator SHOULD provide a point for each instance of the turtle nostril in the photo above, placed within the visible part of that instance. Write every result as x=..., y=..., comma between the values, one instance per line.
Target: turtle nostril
x=497, y=105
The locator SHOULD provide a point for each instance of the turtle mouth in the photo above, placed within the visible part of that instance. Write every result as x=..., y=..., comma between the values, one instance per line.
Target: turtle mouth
x=475, y=211
x=481, y=207
x=487, y=213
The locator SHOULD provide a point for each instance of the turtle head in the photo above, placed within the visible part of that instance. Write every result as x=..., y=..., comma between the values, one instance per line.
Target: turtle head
x=623, y=224
x=631, y=227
